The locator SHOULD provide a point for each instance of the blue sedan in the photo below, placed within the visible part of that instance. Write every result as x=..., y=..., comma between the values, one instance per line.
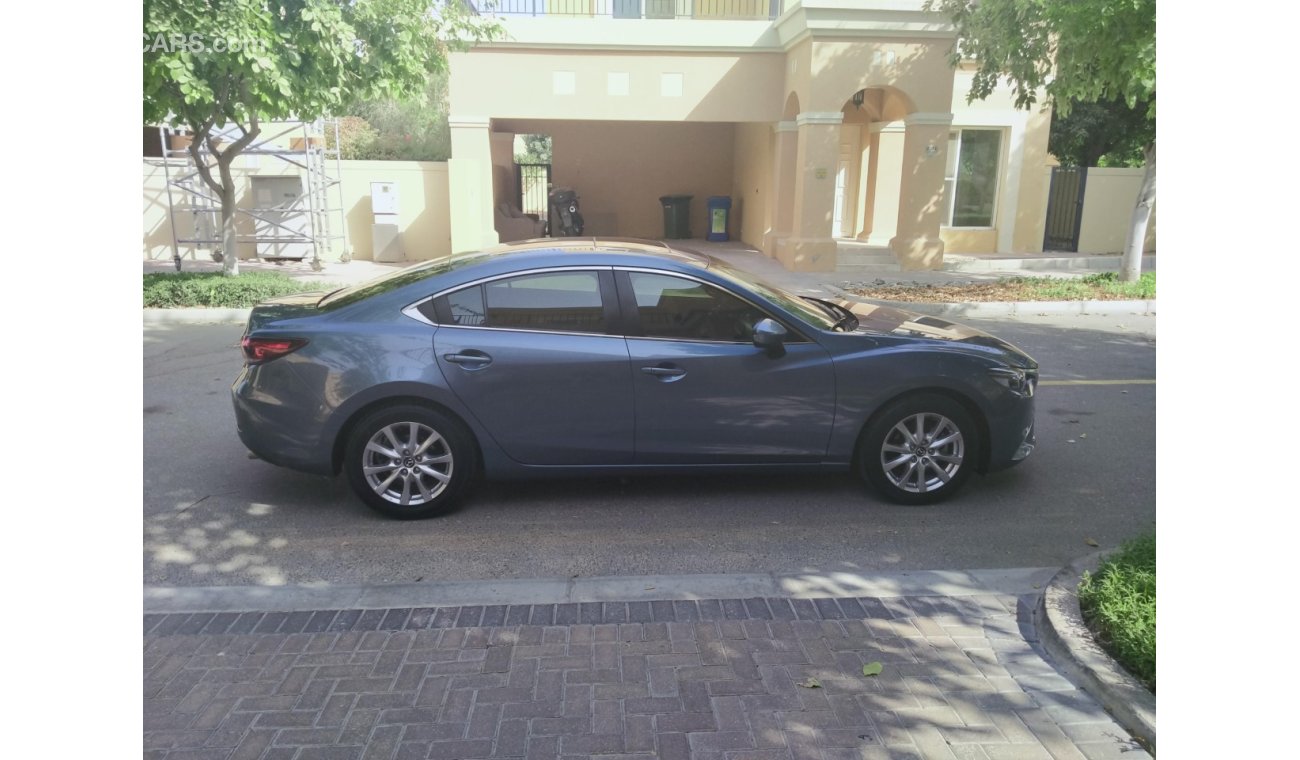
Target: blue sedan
x=559, y=357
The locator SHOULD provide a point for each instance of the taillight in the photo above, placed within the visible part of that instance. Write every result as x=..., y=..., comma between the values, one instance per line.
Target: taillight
x=263, y=350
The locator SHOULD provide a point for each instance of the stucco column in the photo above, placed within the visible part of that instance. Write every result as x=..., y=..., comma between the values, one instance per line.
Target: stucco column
x=811, y=246
x=885, y=175
x=469, y=184
x=916, y=242
x=780, y=201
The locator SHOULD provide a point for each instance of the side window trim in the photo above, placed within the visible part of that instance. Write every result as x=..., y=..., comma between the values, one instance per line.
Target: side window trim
x=440, y=313
x=632, y=316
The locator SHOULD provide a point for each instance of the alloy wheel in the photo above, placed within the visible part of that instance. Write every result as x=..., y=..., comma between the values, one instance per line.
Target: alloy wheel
x=407, y=463
x=922, y=453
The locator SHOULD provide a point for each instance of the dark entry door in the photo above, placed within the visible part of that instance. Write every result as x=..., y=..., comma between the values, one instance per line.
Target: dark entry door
x=534, y=182
x=1065, y=208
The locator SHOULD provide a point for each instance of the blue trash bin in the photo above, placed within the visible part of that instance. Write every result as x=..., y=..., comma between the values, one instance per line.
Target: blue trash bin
x=719, y=216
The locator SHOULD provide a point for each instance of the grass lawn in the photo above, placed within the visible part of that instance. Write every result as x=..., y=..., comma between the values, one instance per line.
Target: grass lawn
x=212, y=289
x=1103, y=286
x=1119, y=605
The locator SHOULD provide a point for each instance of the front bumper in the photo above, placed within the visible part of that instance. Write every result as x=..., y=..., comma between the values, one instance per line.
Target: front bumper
x=1026, y=447
x=1011, y=435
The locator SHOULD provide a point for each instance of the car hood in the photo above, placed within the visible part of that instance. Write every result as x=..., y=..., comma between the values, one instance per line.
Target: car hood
x=887, y=320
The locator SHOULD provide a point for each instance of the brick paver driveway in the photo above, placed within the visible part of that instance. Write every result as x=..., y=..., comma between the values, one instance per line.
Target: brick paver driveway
x=710, y=679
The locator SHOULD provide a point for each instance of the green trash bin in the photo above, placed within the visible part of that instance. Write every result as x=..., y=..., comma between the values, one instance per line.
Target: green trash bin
x=677, y=216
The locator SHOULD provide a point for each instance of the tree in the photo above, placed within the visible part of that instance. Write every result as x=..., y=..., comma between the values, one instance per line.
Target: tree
x=537, y=150
x=1105, y=133
x=1080, y=51
x=246, y=62
x=415, y=129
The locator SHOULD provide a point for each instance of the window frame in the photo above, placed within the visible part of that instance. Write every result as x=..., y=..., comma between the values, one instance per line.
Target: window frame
x=632, y=316
x=950, y=206
x=435, y=310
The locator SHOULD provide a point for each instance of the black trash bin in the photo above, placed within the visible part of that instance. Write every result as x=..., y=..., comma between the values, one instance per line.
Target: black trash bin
x=677, y=216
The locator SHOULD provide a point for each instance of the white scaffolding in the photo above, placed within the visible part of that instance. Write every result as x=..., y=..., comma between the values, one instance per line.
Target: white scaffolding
x=193, y=207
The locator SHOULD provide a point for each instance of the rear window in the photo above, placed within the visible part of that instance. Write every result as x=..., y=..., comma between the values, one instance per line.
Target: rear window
x=551, y=302
x=393, y=280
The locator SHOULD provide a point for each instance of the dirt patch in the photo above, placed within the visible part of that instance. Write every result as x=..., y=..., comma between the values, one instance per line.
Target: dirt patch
x=1099, y=287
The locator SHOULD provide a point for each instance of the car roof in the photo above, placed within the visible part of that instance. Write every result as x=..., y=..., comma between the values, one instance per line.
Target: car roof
x=602, y=245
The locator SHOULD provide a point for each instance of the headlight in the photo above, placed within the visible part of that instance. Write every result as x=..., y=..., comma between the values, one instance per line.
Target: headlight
x=1018, y=381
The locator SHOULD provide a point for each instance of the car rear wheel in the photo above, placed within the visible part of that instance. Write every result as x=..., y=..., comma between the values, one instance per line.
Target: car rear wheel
x=920, y=449
x=409, y=462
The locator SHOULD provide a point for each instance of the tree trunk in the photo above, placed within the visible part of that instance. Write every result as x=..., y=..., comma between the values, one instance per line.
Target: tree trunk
x=1130, y=265
x=229, y=241
x=225, y=187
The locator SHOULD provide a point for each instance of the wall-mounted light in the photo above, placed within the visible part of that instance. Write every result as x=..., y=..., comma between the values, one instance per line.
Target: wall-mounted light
x=859, y=98
x=931, y=151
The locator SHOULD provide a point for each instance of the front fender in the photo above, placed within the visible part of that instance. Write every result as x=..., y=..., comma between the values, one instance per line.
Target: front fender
x=867, y=381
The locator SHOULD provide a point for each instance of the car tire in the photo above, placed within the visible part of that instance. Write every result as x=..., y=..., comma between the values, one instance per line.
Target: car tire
x=410, y=454
x=909, y=470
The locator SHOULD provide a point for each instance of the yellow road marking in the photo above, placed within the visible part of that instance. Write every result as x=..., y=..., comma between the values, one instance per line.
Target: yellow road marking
x=1137, y=381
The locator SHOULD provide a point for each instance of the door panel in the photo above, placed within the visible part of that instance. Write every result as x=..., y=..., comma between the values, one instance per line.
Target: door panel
x=546, y=398
x=730, y=402
x=531, y=357
x=704, y=392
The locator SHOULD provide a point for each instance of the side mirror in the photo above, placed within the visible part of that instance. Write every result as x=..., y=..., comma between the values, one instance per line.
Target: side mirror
x=770, y=335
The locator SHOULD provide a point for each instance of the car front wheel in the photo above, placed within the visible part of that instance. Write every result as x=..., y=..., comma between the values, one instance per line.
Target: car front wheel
x=408, y=461
x=920, y=449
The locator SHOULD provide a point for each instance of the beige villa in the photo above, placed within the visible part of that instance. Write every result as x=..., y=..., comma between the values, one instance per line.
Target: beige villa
x=838, y=127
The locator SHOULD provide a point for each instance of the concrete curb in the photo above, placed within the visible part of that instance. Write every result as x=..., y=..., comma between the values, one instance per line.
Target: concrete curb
x=168, y=599
x=1021, y=308
x=1069, y=642
x=959, y=263
x=194, y=316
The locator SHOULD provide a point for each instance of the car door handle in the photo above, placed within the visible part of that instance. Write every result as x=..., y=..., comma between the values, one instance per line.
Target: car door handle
x=664, y=372
x=469, y=359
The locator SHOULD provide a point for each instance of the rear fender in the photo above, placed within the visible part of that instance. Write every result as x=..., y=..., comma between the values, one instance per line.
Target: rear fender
x=349, y=412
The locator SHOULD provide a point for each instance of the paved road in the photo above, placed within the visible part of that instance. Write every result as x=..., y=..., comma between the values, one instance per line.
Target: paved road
x=213, y=516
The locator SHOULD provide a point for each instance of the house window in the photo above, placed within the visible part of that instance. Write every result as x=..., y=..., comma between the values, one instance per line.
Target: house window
x=970, y=187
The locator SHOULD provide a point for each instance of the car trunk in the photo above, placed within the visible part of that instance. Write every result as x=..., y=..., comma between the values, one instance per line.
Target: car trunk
x=284, y=307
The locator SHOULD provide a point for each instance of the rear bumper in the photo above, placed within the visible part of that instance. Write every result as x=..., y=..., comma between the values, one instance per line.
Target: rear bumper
x=277, y=432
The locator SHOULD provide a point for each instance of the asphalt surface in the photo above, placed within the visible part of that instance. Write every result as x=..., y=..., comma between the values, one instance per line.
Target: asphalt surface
x=214, y=516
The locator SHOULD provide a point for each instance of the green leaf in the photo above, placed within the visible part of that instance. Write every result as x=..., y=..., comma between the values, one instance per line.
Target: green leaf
x=810, y=683
x=872, y=669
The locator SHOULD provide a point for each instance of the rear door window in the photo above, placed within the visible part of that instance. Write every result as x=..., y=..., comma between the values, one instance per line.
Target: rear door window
x=547, y=302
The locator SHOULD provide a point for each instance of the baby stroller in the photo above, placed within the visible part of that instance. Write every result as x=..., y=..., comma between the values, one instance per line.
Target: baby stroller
x=564, y=219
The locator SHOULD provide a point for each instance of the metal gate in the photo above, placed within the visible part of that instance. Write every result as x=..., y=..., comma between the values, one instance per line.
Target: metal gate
x=534, y=183
x=1065, y=208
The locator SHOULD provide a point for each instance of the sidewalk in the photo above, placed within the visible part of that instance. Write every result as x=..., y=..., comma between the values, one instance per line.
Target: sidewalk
x=963, y=677
x=738, y=255
x=958, y=268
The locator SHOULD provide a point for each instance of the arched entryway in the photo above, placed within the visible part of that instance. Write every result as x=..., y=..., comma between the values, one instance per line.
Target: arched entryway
x=869, y=167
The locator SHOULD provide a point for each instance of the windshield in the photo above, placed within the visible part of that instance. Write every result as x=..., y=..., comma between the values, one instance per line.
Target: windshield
x=809, y=311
